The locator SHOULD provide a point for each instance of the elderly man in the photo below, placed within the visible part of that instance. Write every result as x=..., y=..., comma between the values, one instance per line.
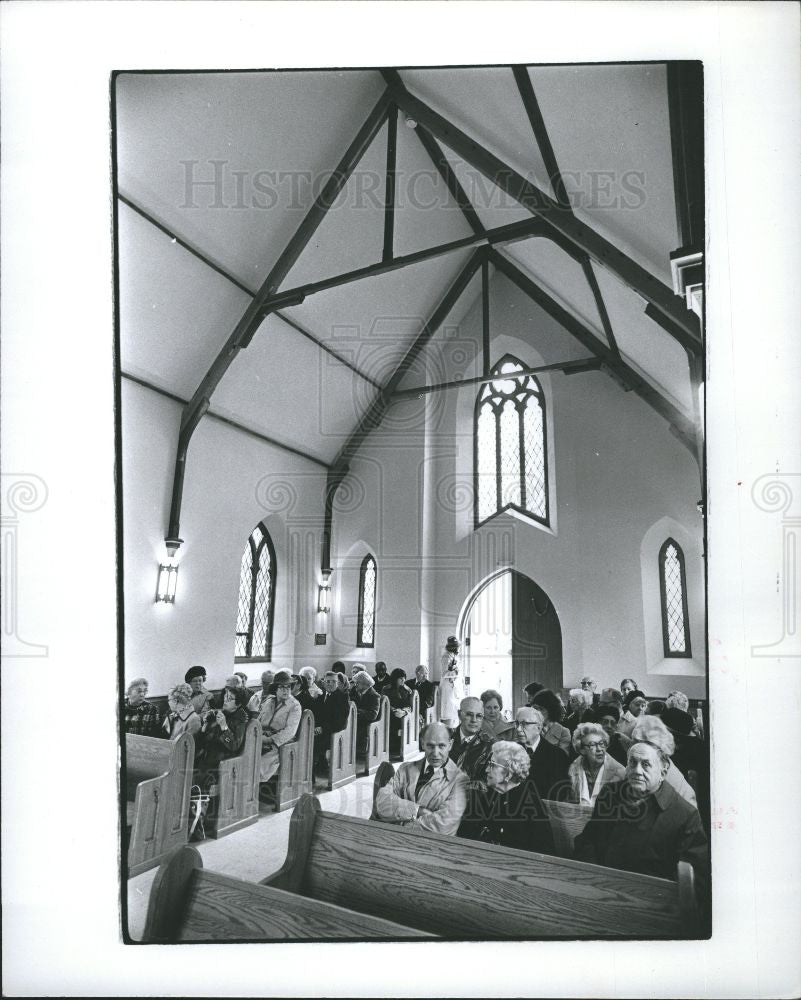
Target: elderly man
x=627, y=685
x=368, y=706
x=548, y=763
x=642, y=825
x=139, y=716
x=331, y=716
x=279, y=716
x=590, y=684
x=254, y=705
x=470, y=749
x=426, y=692
x=428, y=794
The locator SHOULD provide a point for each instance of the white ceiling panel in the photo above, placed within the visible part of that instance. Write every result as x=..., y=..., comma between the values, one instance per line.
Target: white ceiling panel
x=286, y=387
x=610, y=130
x=267, y=140
x=175, y=312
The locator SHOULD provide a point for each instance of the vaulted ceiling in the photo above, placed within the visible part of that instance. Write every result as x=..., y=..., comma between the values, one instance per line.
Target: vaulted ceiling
x=217, y=172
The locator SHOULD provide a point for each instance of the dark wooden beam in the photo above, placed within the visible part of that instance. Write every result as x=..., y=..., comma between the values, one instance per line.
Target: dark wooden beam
x=485, y=317
x=682, y=425
x=440, y=161
x=375, y=413
x=685, y=84
x=389, y=197
x=537, y=122
x=254, y=314
x=567, y=367
x=595, y=288
x=578, y=233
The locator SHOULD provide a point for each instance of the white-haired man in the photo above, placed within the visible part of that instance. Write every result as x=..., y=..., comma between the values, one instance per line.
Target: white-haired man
x=470, y=749
x=368, y=705
x=428, y=794
x=642, y=824
x=548, y=763
x=254, y=705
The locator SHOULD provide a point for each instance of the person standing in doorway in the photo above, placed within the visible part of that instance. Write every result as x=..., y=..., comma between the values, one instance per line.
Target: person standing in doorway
x=451, y=683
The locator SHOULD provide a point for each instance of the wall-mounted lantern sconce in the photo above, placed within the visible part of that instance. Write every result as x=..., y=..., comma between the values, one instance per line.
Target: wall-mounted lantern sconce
x=168, y=578
x=324, y=595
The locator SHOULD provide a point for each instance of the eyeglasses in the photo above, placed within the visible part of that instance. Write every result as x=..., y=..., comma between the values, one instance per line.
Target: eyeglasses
x=520, y=724
x=497, y=763
x=593, y=746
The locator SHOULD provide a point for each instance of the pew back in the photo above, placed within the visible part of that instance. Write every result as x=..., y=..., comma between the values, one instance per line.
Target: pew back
x=411, y=729
x=295, y=765
x=342, y=763
x=377, y=739
x=158, y=779
x=568, y=819
x=237, y=803
x=188, y=903
x=502, y=893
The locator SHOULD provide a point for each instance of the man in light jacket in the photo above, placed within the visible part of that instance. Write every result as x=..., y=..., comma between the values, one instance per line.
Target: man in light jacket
x=428, y=794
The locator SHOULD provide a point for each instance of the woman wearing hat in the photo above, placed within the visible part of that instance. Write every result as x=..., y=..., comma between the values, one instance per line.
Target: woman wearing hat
x=451, y=686
x=279, y=716
x=634, y=705
x=195, y=677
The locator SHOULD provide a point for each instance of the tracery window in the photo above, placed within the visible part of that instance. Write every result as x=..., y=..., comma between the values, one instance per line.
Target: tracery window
x=673, y=588
x=511, y=461
x=365, y=632
x=255, y=611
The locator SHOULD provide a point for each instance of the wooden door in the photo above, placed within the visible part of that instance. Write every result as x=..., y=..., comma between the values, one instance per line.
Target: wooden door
x=536, y=638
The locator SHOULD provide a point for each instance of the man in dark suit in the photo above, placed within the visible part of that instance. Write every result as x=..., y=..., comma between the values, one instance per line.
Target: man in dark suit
x=368, y=706
x=331, y=716
x=548, y=763
x=471, y=748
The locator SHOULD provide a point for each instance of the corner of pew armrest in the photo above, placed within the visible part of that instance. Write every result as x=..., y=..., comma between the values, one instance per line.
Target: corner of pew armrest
x=168, y=894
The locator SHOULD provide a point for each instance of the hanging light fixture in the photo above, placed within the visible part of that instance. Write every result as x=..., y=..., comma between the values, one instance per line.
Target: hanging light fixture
x=167, y=580
x=324, y=595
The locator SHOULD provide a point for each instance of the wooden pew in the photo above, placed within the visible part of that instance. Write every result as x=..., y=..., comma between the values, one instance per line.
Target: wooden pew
x=342, y=760
x=568, y=820
x=295, y=765
x=158, y=778
x=501, y=893
x=188, y=903
x=377, y=740
x=411, y=730
x=237, y=801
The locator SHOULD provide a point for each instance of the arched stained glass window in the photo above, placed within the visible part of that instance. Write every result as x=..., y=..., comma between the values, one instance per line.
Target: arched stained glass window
x=511, y=462
x=673, y=587
x=254, y=619
x=365, y=632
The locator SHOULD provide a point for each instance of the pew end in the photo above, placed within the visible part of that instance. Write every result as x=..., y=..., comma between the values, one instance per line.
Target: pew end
x=383, y=776
x=377, y=740
x=342, y=760
x=237, y=801
x=296, y=765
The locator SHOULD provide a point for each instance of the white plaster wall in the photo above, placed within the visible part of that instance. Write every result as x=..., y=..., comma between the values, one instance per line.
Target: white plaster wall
x=233, y=481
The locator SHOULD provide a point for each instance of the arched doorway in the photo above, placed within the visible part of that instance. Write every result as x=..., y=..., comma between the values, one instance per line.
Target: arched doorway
x=511, y=636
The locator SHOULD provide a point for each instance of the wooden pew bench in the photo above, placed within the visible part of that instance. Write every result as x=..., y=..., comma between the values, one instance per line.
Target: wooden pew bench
x=377, y=740
x=411, y=730
x=342, y=754
x=237, y=799
x=471, y=891
x=296, y=765
x=158, y=779
x=188, y=903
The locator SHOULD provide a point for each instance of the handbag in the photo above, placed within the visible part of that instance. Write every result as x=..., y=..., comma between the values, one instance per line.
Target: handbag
x=198, y=806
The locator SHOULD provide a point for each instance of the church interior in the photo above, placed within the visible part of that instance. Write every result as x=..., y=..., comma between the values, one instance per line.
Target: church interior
x=408, y=359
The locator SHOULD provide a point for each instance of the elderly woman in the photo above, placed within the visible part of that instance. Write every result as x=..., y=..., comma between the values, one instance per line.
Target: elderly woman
x=279, y=717
x=678, y=699
x=506, y=808
x=221, y=734
x=425, y=689
x=554, y=711
x=400, y=705
x=593, y=768
x=579, y=704
x=182, y=717
x=494, y=724
x=195, y=677
x=139, y=716
x=634, y=705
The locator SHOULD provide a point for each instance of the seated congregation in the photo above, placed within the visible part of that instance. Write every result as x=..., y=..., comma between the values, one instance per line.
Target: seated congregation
x=614, y=779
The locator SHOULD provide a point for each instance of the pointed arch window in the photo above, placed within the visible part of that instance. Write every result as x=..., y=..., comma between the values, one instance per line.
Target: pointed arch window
x=368, y=575
x=673, y=589
x=255, y=610
x=511, y=459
